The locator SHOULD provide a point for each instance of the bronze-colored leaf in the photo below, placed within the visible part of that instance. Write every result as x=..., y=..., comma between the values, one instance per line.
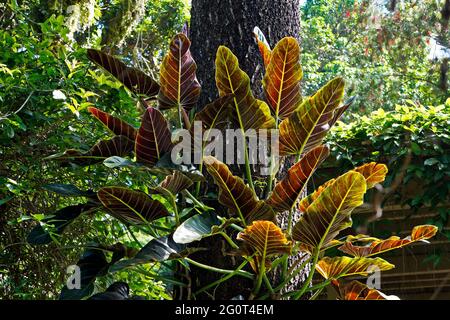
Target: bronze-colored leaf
x=373, y=173
x=117, y=146
x=281, y=82
x=115, y=125
x=330, y=212
x=236, y=195
x=340, y=110
x=132, y=78
x=306, y=201
x=307, y=126
x=153, y=139
x=265, y=240
x=287, y=191
x=179, y=84
x=263, y=45
x=377, y=246
x=338, y=267
x=248, y=113
x=356, y=290
x=131, y=206
x=173, y=184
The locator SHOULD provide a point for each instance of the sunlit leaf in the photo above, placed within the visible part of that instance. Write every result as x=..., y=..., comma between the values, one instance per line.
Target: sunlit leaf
x=330, y=212
x=419, y=233
x=373, y=173
x=287, y=191
x=281, y=82
x=338, y=267
x=131, y=206
x=306, y=201
x=197, y=227
x=265, y=240
x=340, y=110
x=236, y=195
x=179, y=84
x=153, y=139
x=307, y=126
x=132, y=78
x=115, y=125
x=356, y=290
x=263, y=45
x=249, y=112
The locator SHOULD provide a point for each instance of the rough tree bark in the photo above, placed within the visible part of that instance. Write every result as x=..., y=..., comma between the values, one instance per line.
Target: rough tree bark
x=230, y=23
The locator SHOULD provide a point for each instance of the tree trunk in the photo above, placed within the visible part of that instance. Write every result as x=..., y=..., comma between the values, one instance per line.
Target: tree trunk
x=230, y=23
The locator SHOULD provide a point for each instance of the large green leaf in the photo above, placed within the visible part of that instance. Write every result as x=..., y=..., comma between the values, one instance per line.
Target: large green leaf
x=157, y=250
x=179, y=84
x=287, y=191
x=377, y=246
x=132, y=78
x=330, y=212
x=338, y=267
x=114, y=124
x=197, y=227
x=131, y=206
x=153, y=139
x=307, y=126
x=69, y=190
x=281, y=82
x=249, y=112
x=263, y=240
x=234, y=194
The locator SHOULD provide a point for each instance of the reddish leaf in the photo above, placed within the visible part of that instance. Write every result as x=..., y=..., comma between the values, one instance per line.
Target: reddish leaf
x=131, y=206
x=132, y=78
x=179, y=84
x=153, y=139
x=377, y=246
x=115, y=125
x=356, y=290
x=281, y=82
x=338, y=267
x=263, y=45
x=287, y=191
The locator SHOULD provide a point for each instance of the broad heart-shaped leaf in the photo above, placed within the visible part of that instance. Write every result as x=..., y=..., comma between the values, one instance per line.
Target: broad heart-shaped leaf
x=92, y=264
x=131, y=206
x=133, y=79
x=215, y=114
x=60, y=220
x=116, y=146
x=249, y=112
x=157, y=250
x=264, y=239
x=281, y=82
x=179, y=84
x=307, y=126
x=236, y=195
x=330, y=212
x=419, y=233
x=114, y=124
x=263, y=45
x=286, y=192
x=153, y=139
x=338, y=267
x=356, y=290
x=306, y=201
x=373, y=173
x=197, y=227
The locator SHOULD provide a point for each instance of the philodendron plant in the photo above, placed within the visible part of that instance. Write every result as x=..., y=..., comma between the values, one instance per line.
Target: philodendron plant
x=172, y=209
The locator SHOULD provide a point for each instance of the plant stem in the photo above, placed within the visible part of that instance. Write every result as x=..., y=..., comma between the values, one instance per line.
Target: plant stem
x=229, y=240
x=175, y=209
x=223, y=279
x=241, y=273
